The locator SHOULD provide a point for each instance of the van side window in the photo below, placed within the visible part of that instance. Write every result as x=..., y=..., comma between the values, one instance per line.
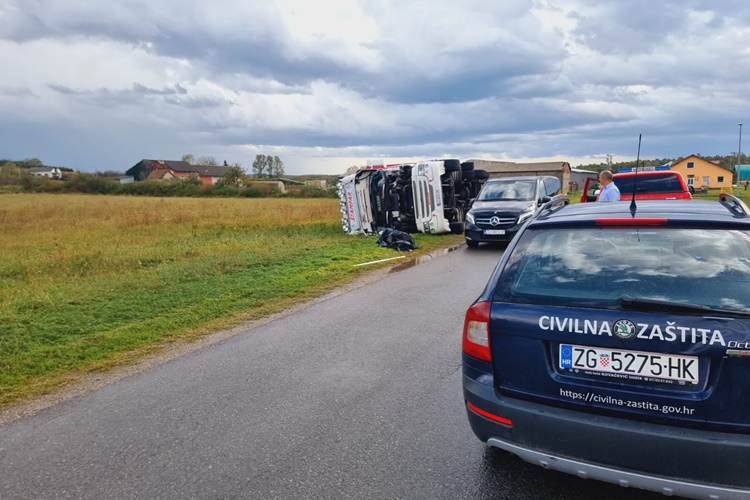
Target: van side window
x=552, y=186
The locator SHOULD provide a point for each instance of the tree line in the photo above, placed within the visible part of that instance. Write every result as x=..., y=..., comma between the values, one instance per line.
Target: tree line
x=15, y=177
x=727, y=161
x=268, y=166
x=263, y=165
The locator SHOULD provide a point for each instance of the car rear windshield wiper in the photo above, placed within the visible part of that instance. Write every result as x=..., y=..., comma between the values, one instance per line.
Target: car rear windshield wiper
x=628, y=302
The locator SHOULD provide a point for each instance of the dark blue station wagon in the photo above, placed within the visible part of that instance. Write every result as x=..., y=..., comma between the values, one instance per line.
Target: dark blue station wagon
x=613, y=342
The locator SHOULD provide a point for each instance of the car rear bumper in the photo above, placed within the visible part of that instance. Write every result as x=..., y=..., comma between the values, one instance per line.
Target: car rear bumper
x=660, y=458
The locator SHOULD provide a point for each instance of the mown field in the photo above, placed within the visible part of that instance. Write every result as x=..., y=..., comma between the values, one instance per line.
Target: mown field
x=92, y=282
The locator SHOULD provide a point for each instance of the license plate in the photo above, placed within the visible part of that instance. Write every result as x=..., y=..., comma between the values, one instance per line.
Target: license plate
x=634, y=365
x=494, y=231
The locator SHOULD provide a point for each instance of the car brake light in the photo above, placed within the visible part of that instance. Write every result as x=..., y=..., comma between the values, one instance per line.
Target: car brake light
x=491, y=416
x=476, y=342
x=632, y=221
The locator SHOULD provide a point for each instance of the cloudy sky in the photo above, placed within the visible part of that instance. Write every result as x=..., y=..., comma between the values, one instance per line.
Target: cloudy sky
x=326, y=84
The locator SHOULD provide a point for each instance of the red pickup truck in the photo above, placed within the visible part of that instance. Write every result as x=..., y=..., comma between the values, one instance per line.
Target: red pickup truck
x=649, y=185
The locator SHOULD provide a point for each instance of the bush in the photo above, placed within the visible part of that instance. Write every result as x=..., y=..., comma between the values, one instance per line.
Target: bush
x=90, y=184
x=312, y=192
x=192, y=187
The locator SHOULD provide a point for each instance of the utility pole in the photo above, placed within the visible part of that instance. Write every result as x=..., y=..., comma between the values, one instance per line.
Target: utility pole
x=739, y=155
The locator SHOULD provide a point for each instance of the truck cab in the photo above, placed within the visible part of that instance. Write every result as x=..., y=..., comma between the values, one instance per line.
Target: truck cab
x=429, y=196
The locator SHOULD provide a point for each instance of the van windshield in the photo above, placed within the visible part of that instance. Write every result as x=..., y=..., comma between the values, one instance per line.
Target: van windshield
x=594, y=267
x=497, y=190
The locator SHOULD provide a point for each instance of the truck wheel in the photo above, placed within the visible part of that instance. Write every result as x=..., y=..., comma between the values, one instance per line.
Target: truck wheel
x=468, y=175
x=456, y=227
x=467, y=166
x=460, y=217
x=456, y=175
x=481, y=174
x=452, y=165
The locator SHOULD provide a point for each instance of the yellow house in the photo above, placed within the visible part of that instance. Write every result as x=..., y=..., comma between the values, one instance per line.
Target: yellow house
x=703, y=174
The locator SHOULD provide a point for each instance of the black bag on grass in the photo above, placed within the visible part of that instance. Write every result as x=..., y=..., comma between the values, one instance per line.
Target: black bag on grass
x=398, y=240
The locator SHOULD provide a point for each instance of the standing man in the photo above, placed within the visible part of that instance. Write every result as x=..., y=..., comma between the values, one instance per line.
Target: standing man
x=609, y=191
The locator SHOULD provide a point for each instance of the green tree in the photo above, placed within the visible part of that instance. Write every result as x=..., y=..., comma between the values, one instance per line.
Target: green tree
x=192, y=180
x=33, y=162
x=235, y=176
x=259, y=165
x=9, y=169
x=188, y=158
x=278, y=166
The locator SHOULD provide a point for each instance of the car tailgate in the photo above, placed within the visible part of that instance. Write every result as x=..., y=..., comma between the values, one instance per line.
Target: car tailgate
x=654, y=367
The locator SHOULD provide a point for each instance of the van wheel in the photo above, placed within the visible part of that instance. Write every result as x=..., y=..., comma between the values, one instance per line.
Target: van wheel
x=472, y=243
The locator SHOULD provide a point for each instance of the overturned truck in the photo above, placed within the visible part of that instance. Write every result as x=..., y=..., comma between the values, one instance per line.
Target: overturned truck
x=427, y=196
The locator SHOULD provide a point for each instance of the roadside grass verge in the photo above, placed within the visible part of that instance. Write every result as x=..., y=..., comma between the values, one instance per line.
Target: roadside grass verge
x=88, y=283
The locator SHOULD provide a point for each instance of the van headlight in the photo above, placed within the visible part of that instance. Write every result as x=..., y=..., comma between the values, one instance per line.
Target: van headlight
x=470, y=218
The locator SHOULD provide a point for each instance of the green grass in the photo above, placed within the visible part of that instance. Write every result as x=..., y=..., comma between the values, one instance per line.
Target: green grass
x=88, y=283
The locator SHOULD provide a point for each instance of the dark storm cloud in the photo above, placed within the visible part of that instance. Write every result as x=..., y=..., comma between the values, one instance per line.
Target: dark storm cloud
x=175, y=95
x=642, y=26
x=29, y=20
x=470, y=74
x=15, y=91
x=459, y=78
x=513, y=77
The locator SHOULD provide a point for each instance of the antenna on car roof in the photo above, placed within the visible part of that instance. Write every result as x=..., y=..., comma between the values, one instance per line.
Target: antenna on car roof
x=635, y=178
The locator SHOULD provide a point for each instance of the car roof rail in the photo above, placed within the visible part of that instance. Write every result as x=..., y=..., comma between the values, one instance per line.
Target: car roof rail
x=734, y=204
x=553, y=206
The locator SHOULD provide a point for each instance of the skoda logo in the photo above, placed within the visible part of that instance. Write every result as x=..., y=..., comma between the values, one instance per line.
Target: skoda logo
x=495, y=220
x=624, y=329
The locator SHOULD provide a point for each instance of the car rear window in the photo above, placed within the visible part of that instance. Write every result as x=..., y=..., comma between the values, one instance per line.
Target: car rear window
x=594, y=267
x=667, y=183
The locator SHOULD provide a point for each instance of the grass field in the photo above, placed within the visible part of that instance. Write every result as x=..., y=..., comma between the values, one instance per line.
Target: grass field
x=92, y=282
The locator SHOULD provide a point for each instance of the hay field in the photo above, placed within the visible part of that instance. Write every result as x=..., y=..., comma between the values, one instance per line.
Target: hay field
x=91, y=282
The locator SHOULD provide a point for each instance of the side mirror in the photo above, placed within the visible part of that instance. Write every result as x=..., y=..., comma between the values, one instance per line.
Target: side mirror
x=545, y=199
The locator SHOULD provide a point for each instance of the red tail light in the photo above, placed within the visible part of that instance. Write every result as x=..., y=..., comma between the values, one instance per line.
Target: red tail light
x=496, y=418
x=476, y=341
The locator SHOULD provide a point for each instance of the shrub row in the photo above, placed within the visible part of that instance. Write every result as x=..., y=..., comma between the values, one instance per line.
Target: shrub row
x=93, y=184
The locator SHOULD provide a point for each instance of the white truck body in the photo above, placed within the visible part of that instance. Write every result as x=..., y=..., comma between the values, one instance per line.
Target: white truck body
x=426, y=196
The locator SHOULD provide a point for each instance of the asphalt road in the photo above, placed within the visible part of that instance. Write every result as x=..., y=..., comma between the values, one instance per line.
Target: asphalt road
x=356, y=397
